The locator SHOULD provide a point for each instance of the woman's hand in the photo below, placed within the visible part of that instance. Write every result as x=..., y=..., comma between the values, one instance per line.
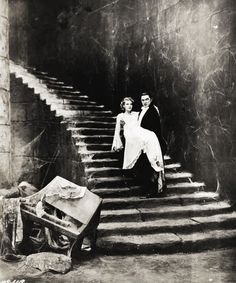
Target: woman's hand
x=116, y=149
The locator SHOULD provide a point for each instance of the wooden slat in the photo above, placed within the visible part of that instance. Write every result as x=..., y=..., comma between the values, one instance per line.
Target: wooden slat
x=67, y=231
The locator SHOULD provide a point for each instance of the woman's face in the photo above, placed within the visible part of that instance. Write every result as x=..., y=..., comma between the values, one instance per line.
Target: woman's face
x=128, y=105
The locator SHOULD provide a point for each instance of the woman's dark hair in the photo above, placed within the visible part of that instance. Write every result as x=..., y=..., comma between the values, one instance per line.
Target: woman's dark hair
x=124, y=100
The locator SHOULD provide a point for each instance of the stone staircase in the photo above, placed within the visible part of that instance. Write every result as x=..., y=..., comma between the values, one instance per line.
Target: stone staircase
x=188, y=219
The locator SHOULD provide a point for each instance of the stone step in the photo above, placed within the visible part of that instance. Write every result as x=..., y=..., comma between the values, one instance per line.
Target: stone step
x=51, y=83
x=127, y=191
x=102, y=154
x=178, y=175
x=80, y=107
x=17, y=80
x=111, y=162
x=60, y=87
x=166, y=211
x=169, y=176
x=36, y=72
x=184, y=187
x=92, y=131
x=78, y=101
x=45, y=78
x=107, y=162
x=111, y=182
x=92, y=119
x=63, y=101
x=70, y=93
x=81, y=113
x=93, y=124
x=98, y=172
x=104, y=170
x=167, y=159
x=148, y=227
x=172, y=166
x=138, y=202
x=179, y=225
x=102, y=146
x=68, y=101
x=98, y=154
x=118, y=192
x=59, y=102
x=95, y=139
x=74, y=97
x=120, y=180
x=167, y=243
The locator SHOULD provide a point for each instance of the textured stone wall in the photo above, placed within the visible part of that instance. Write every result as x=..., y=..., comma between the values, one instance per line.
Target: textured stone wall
x=41, y=146
x=5, y=137
x=196, y=71
x=19, y=28
x=183, y=51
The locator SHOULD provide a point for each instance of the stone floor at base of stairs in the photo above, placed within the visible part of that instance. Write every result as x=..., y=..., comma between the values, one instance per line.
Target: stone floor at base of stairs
x=215, y=266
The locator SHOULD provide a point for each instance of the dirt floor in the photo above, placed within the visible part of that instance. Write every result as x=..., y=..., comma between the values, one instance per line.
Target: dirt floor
x=214, y=266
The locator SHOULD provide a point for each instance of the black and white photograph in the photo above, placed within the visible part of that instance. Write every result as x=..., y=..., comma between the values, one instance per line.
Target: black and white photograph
x=117, y=141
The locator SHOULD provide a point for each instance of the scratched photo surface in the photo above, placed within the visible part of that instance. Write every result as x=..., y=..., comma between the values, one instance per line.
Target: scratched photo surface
x=65, y=67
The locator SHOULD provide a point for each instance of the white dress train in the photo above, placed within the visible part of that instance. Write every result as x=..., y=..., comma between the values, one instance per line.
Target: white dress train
x=138, y=140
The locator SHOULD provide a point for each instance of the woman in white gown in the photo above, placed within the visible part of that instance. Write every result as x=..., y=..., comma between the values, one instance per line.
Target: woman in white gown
x=137, y=140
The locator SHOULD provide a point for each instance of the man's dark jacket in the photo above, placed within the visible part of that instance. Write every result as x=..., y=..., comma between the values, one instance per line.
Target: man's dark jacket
x=151, y=121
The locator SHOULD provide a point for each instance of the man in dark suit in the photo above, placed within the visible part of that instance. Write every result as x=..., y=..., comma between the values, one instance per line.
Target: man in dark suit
x=149, y=118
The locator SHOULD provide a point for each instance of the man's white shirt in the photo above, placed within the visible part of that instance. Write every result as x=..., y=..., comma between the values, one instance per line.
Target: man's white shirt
x=142, y=113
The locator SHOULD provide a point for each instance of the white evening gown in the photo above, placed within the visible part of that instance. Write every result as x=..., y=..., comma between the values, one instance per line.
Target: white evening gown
x=137, y=140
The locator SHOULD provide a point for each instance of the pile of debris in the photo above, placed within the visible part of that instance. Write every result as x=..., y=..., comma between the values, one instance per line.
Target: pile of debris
x=56, y=219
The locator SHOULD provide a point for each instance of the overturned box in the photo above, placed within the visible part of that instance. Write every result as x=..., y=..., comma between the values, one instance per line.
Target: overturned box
x=80, y=209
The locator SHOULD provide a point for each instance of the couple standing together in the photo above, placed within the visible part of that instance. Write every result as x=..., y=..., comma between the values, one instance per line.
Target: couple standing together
x=144, y=145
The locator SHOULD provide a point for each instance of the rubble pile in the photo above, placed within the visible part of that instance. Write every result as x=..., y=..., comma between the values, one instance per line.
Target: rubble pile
x=47, y=225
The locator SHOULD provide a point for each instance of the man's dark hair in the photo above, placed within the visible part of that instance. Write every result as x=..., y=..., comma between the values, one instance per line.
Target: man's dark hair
x=146, y=93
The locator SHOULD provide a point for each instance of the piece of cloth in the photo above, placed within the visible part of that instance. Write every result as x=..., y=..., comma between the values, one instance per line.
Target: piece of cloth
x=65, y=189
x=117, y=144
x=11, y=225
x=26, y=189
x=58, y=188
x=137, y=140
